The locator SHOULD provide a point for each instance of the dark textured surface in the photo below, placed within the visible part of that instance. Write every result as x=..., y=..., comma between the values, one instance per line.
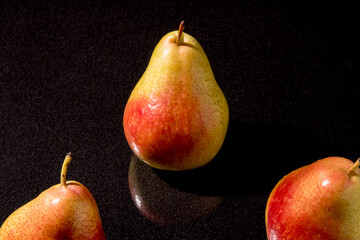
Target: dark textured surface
x=289, y=70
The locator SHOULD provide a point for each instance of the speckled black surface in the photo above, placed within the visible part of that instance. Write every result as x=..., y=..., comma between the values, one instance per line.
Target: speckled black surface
x=289, y=70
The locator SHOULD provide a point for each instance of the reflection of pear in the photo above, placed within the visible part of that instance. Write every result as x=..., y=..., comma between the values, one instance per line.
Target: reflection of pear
x=64, y=211
x=162, y=203
x=177, y=116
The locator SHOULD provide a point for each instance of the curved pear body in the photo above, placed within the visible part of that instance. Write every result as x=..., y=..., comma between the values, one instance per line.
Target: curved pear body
x=318, y=201
x=176, y=117
x=60, y=212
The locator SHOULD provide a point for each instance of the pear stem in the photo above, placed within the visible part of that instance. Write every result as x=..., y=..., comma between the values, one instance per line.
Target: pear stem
x=64, y=168
x=352, y=169
x=181, y=29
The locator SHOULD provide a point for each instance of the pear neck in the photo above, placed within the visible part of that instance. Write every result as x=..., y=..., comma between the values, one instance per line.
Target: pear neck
x=64, y=168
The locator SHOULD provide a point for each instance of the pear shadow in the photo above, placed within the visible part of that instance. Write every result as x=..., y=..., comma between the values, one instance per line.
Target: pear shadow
x=253, y=158
x=163, y=204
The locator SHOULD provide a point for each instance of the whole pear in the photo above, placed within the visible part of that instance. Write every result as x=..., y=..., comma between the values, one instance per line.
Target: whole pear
x=176, y=117
x=64, y=211
x=317, y=201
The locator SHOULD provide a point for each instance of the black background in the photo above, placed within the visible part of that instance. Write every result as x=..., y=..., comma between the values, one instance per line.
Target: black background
x=289, y=71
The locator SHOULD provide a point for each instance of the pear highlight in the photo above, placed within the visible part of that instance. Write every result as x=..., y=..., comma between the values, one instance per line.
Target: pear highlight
x=176, y=117
x=64, y=211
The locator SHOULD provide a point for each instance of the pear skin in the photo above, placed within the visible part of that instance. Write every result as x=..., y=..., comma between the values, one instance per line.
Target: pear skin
x=317, y=201
x=64, y=211
x=176, y=117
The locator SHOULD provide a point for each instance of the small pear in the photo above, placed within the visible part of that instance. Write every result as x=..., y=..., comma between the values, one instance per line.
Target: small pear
x=176, y=117
x=64, y=211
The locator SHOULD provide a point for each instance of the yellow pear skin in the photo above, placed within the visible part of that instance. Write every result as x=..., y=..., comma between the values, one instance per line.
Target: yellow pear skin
x=176, y=117
x=64, y=211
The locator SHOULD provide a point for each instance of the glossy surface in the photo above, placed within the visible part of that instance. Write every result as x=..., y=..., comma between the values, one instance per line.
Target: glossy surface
x=162, y=203
x=289, y=71
x=177, y=116
x=318, y=201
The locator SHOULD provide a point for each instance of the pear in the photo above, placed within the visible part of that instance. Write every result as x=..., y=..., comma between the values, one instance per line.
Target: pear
x=64, y=211
x=317, y=201
x=176, y=117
